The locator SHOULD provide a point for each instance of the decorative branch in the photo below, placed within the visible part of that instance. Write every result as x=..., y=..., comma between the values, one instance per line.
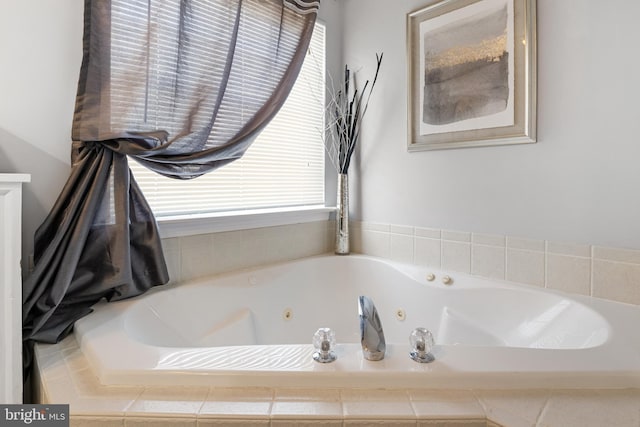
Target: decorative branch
x=345, y=111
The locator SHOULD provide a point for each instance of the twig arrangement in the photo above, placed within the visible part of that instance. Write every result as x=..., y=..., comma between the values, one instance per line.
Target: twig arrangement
x=345, y=113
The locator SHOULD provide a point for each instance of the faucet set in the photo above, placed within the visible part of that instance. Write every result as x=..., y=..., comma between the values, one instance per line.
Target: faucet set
x=371, y=333
x=372, y=338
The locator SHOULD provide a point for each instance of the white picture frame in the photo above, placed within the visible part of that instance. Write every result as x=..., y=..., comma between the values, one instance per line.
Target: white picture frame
x=471, y=74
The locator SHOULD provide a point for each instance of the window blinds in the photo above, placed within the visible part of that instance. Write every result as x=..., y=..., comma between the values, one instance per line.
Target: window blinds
x=283, y=167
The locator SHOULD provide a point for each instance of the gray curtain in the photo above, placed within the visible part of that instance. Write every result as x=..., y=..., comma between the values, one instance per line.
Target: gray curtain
x=183, y=87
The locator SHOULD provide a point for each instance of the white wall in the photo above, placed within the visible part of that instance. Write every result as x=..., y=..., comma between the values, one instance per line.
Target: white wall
x=580, y=183
x=40, y=56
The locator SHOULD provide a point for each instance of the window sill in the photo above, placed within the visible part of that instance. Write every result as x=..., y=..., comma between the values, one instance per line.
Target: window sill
x=187, y=225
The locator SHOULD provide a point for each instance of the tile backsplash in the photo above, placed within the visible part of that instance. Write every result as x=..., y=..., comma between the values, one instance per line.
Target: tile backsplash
x=203, y=255
x=602, y=272
x=597, y=271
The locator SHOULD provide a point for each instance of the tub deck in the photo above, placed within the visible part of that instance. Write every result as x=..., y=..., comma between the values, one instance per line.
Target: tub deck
x=489, y=334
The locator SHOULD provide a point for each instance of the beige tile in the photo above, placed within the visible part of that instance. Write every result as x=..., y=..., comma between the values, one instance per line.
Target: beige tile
x=171, y=244
x=76, y=361
x=619, y=408
x=240, y=422
x=172, y=256
x=302, y=404
x=488, y=239
x=427, y=252
x=196, y=256
x=513, y=408
x=43, y=349
x=616, y=254
x=283, y=243
x=159, y=421
x=456, y=256
x=430, y=233
x=569, y=274
x=376, y=405
x=525, y=267
x=456, y=236
x=445, y=405
x=488, y=261
x=226, y=252
x=374, y=226
x=86, y=397
x=82, y=421
x=508, y=419
x=380, y=423
x=525, y=244
x=353, y=224
x=452, y=423
x=37, y=389
x=375, y=243
x=235, y=409
x=616, y=281
x=330, y=235
x=240, y=393
x=255, y=244
x=309, y=239
x=243, y=403
x=267, y=245
x=51, y=364
x=303, y=394
x=165, y=402
x=571, y=249
x=115, y=405
x=306, y=423
x=401, y=248
x=325, y=232
x=401, y=229
x=355, y=240
x=309, y=409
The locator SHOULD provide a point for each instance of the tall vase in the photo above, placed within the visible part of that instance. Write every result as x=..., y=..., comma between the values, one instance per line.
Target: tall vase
x=342, y=216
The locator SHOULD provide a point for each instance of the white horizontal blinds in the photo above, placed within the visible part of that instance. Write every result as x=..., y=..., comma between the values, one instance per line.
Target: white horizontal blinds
x=283, y=167
x=148, y=38
x=254, y=70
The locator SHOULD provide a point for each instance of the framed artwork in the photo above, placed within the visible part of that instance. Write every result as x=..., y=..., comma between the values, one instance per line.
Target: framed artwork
x=472, y=74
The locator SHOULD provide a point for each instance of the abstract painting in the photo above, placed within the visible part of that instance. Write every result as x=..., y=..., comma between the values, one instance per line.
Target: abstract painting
x=470, y=83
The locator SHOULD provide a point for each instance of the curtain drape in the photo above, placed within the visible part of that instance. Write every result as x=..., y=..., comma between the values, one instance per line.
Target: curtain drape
x=181, y=86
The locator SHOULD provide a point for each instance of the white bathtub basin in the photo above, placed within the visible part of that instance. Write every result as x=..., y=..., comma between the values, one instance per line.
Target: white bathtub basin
x=254, y=328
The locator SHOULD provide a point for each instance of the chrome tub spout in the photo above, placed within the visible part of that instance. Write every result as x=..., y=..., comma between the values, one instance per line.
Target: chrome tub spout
x=371, y=333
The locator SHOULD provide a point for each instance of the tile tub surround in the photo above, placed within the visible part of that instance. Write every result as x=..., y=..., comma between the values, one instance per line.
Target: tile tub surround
x=64, y=376
x=173, y=336
x=202, y=255
x=601, y=272
x=608, y=273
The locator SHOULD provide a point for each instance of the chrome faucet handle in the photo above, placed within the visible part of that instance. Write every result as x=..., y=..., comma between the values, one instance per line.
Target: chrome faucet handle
x=371, y=332
x=324, y=341
x=422, y=342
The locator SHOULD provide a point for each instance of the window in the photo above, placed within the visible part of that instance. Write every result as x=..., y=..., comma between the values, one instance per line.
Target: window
x=284, y=167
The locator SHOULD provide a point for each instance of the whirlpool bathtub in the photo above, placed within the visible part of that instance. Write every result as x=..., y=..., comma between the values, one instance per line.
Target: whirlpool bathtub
x=255, y=327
